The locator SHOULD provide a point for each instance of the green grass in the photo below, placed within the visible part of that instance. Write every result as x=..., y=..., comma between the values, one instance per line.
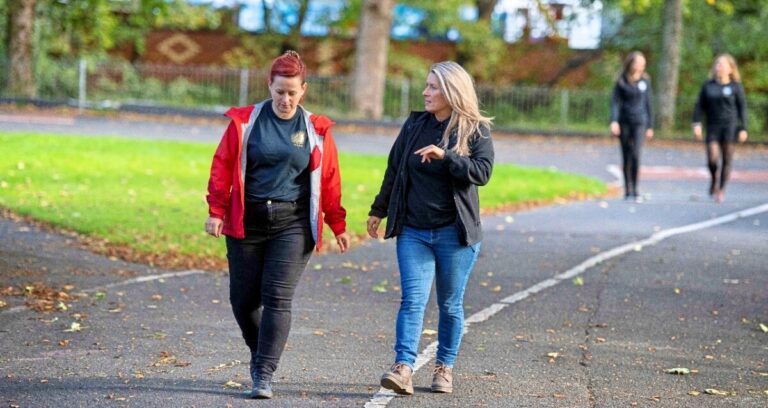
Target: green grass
x=150, y=194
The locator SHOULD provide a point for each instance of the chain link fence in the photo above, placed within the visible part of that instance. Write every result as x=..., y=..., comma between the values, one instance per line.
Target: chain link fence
x=118, y=85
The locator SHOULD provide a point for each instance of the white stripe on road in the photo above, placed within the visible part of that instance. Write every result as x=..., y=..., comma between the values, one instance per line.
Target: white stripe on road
x=384, y=396
x=140, y=279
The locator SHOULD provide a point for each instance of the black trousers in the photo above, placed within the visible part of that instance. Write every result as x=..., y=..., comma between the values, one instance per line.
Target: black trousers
x=264, y=270
x=631, y=139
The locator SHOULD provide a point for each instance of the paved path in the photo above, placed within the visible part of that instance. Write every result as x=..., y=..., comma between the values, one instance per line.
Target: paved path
x=676, y=281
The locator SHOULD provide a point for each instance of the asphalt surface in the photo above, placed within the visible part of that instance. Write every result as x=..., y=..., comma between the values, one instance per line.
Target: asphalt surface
x=597, y=336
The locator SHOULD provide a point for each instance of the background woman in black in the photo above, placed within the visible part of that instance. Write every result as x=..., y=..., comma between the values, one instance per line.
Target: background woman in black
x=722, y=101
x=632, y=117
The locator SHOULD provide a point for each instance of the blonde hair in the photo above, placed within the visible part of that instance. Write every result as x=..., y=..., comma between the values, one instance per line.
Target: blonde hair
x=458, y=88
x=735, y=76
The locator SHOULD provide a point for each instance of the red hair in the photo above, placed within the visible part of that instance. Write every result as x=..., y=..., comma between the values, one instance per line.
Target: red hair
x=288, y=65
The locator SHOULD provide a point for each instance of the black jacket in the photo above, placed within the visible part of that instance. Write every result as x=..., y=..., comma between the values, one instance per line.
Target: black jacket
x=467, y=173
x=722, y=104
x=631, y=102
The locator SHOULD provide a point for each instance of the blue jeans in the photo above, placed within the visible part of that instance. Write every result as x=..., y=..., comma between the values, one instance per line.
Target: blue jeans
x=424, y=255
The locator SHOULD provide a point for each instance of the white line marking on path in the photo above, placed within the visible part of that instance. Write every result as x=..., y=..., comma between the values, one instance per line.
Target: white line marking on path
x=384, y=396
x=140, y=279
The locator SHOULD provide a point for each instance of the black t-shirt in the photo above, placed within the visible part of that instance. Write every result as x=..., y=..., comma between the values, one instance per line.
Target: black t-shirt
x=277, y=166
x=429, y=200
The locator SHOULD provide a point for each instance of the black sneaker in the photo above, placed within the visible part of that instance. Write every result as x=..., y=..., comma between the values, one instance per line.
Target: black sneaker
x=262, y=389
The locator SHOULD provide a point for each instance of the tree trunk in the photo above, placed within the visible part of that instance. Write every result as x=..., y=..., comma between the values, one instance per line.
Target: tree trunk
x=21, y=23
x=485, y=9
x=371, y=49
x=293, y=40
x=669, y=64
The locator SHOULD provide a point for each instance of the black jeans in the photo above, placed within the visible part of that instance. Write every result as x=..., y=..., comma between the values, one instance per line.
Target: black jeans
x=264, y=270
x=631, y=138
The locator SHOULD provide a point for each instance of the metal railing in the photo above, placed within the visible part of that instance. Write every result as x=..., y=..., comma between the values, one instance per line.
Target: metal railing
x=116, y=84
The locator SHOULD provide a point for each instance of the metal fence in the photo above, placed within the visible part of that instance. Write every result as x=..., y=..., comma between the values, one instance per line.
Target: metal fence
x=115, y=84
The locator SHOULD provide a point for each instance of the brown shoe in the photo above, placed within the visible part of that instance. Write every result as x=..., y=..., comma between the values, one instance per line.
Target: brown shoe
x=398, y=379
x=442, y=379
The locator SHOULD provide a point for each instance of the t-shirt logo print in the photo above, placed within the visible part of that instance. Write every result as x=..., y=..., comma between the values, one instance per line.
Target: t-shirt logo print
x=727, y=91
x=299, y=138
x=642, y=86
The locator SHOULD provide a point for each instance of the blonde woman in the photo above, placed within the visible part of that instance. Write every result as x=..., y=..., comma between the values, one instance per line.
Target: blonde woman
x=723, y=102
x=429, y=195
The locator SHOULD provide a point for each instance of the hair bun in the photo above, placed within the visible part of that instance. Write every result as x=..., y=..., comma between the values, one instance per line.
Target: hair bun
x=292, y=53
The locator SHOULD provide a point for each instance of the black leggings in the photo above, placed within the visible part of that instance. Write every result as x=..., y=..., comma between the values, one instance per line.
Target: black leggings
x=631, y=138
x=264, y=270
x=720, y=143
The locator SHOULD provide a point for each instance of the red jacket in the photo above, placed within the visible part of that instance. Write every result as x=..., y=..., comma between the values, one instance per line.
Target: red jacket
x=226, y=195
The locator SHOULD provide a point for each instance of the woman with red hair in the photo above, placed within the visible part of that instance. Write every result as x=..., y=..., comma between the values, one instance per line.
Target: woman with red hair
x=274, y=180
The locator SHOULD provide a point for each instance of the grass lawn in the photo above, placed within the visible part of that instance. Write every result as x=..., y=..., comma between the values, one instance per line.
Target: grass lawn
x=149, y=195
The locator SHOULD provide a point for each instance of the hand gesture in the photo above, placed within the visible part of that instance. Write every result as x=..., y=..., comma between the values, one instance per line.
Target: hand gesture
x=430, y=152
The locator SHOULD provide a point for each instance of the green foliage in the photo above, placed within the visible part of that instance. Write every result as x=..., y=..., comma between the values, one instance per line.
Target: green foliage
x=149, y=194
x=255, y=51
x=709, y=28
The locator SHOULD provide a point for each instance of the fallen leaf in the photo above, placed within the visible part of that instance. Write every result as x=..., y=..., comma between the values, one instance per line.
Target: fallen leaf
x=677, y=291
x=712, y=391
x=381, y=287
x=74, y=327
x=429, y=332
x=64, y=343
x=232, y=384
x=225, y=365
x=345, y=280
x=116, y=397
x=3, y=303
x=157, y=297
x=558, y=395
x=578, y=281
x=317, y=267
x=764, y=328
x=655, y=398
x=553, y=356
x=496, y=289
x=694, y=393
x=318, y=333
x=600, y=339
x=678, y=371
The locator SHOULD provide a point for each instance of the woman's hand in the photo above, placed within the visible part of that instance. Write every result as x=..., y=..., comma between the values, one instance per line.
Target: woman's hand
x=373, y=226
x=430, y=152
x=213, y=226
x=649, y=134
x=342, y=240
x=742, y=136
x=615, y=128
x=697, y=131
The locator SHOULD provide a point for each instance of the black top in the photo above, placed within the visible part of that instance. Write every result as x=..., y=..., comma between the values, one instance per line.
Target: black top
x=429, y=200
x=277, y=165
x=466, y=172
x=631, y=102
x=722, y=104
